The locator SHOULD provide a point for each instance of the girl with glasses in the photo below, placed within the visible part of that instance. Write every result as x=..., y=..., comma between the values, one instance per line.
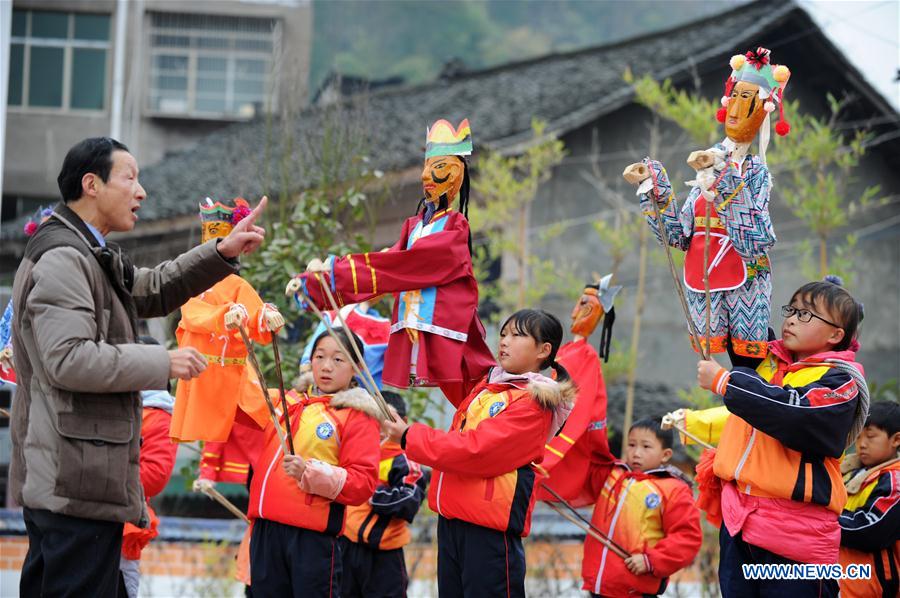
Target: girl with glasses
x=786, y=425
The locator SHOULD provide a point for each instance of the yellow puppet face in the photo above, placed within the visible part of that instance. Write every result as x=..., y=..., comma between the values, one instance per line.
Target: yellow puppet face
x=587, y=313
x=442, y=175
x=214, y=230
x=745, y=112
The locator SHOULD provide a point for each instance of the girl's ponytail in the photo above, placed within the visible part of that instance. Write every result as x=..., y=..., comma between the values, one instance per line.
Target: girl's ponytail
x=562, y=375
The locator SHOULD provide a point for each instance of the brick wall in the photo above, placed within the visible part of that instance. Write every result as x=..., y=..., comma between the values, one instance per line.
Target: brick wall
x=207, y=568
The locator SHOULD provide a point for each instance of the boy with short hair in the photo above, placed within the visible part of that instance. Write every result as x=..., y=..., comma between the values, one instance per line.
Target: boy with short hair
x=376, y=532
x=870, y=521
x=647, y=507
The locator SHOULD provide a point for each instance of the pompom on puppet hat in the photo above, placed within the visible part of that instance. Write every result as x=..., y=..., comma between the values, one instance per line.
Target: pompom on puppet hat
x=756, y=67
x=37, y=219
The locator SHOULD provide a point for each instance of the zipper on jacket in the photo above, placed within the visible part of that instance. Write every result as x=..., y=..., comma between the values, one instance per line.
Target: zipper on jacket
x=740, y=465
x=438, y=493
x=262, y=492
x=610, y=533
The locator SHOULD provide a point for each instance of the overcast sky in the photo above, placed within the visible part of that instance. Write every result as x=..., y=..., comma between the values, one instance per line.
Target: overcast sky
x=868, y=32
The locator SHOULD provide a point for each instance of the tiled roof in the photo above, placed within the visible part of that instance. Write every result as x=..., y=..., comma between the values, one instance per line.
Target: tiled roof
x=566, y=90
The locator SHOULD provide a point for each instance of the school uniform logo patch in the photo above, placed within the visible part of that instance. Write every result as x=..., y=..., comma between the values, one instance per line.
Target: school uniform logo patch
x=325, y=431
x=495, y=408
x=652, y=500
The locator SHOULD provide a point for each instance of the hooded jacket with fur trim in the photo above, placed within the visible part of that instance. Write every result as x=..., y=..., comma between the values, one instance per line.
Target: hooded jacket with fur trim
x=482, y=464
x=340, y=430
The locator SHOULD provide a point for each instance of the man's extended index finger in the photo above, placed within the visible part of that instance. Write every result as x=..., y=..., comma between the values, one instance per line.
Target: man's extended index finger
x=251, y=218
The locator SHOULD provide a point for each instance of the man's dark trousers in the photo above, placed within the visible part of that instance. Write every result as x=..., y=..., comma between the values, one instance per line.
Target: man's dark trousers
x=70, y=556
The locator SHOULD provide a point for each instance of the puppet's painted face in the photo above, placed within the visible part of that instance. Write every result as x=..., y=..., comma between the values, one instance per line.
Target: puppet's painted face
x=215, y=229
x=745, y=112
x=442, y=175
x=587, y=313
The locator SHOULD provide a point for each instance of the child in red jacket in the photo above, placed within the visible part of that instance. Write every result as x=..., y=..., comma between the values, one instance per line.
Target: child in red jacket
x=157, y=462
x=645, y=506
x=483, y=483
x=298, y=502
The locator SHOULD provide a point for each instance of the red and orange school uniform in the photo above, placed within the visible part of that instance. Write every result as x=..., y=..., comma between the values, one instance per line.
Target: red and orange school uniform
x=293, y=545
x=157, y=461
x=207, y=406
x=652, y=513
x=383, y=521
x=783, y=432
x=376, y=531
x=483, y=484
x=870, y=532
x=232, y=460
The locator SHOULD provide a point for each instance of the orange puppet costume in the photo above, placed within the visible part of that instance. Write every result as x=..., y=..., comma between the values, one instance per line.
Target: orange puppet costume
x=206, y=406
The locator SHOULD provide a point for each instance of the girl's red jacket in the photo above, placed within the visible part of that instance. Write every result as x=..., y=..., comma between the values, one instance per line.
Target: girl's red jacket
x=482, y=464
x=339, y=430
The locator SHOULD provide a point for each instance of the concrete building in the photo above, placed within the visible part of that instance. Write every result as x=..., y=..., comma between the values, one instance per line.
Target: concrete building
x=158, y=74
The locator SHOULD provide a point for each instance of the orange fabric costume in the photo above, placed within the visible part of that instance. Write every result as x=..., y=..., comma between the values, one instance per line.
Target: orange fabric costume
x=206, y=407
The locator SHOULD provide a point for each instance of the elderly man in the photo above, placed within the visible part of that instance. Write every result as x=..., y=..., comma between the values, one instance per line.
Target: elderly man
x=76, y=421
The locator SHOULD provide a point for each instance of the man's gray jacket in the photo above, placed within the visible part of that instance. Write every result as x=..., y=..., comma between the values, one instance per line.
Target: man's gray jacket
x=76, y=417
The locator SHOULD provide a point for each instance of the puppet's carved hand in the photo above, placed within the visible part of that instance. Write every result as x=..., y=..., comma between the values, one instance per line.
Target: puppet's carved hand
x=674, y=419
x=203, y=485
x=236, y=316
x=701, y=159
x=6, y=358
x=293, y=287
x=637, y=173
x=317, y=265
x=272, y=318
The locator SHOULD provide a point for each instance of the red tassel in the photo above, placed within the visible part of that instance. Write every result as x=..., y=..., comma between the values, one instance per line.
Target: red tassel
x=31, y=227
x=782, y=127
x=721, y=113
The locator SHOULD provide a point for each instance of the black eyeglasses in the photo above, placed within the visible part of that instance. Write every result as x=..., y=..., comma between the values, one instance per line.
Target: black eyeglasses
x=804, y=315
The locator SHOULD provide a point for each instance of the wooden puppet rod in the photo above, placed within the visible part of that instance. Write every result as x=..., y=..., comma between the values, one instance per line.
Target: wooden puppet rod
x=588, y=530
x=284, y=405
x=251, y=355
x=365, y=367
x=368, y=382
x=583, y=523
x=217, y=496
x=706, y=221
x=679, y=289
x=702, y=443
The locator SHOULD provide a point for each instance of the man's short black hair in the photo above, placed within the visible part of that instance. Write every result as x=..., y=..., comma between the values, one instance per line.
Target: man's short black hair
x=396, y=401
x=666, y=437
x=93, y=154
x=885, y=415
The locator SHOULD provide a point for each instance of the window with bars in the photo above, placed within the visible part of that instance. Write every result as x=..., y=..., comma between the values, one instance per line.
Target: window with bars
x=210, y=65
x=58, y=60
